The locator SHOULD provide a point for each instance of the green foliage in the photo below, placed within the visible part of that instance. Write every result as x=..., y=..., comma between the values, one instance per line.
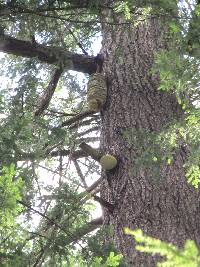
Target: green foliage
x=10, y=193
x=96, y=247
x=13, y=246
x=112, y=261
x=174, y=257
x=191, y=134
x=124, y=8
x=179, y=74
x=154, y=150
x=193, y=32
x=193, y=175
x=12, y=237
x=157, y=150
x=147, y=8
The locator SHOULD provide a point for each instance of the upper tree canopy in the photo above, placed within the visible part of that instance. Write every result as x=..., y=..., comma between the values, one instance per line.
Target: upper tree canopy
x=45, y=118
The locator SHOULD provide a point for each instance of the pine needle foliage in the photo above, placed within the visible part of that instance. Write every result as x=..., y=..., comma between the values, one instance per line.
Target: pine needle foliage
x=174, y=257
x=10, y=193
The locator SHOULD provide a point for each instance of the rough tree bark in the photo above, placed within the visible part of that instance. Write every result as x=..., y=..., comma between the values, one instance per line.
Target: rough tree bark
x=166, y=209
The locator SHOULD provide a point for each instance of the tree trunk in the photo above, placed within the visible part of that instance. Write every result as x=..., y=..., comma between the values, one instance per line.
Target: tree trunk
x=166, y=207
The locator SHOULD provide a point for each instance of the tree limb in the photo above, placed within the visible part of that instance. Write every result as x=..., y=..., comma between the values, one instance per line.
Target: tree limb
x=47, y=54
x=72, y=236
x=88, y=139
x=104, y=203
x=92, y=120
x=94, y=185
x=80, y=174
x=84, y=230
x=45, y=99
x=89, y=189
x=76, y=118
x=32, y=156
x=94, y=153
x=90, y=130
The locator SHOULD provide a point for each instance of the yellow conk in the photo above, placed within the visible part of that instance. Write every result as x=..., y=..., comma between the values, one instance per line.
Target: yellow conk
x=94, y=105
x=108, y=162
x=96, y=92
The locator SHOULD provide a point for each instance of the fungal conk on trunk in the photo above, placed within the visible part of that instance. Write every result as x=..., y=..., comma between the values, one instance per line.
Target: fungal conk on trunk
x=97, y=92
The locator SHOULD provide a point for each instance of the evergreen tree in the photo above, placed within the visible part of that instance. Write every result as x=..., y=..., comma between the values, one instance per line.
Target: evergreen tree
x=142, y=108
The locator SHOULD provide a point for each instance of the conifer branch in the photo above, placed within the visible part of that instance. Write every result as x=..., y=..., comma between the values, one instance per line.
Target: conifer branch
x=77, y=117
x=47, y=54
x=45, y=99
x=94, y=185
x=71, y=236
x=80, y=174
x=94, y=153
x=91, y=121
x=56, y=153
x=104, y=203
x=90, y=130
x=84, y=230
